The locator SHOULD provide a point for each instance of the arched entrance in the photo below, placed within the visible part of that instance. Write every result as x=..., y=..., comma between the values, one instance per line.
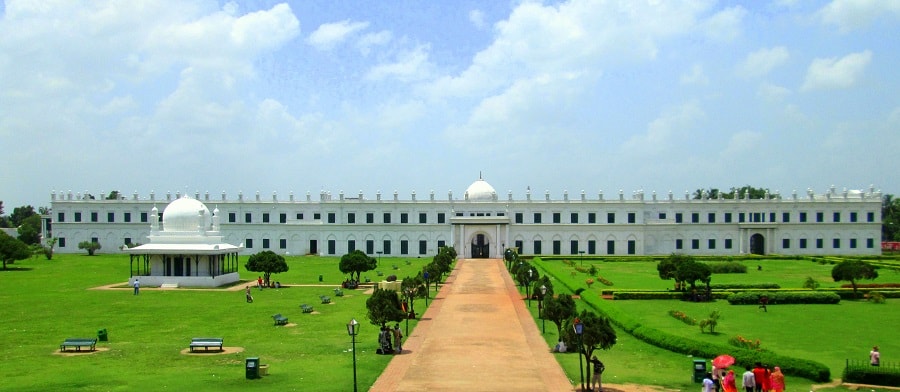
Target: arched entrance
x=757, y=244
x=481, y=247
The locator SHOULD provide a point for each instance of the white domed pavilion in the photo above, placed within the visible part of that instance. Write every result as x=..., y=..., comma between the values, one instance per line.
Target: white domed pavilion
x=188, y=251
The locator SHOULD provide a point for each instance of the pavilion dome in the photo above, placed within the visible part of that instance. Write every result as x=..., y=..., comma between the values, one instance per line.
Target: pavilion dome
x=480, y=190
x=184, y=215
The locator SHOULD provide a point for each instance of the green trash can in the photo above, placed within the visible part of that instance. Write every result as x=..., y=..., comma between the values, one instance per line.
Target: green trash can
x=699, y=370
x=252, y=367
x=102, y=335
x=320, y=278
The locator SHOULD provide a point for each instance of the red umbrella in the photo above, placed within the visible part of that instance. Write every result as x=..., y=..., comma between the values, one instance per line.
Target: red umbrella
x=723, y=361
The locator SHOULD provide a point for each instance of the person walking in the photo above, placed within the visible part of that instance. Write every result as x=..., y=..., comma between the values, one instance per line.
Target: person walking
x=398, y=336
x=259, y=282
x=249, y=297
x=776, y=380
x=137, y=286
x=728, y=384
x=875, y=357
x=748, y=380
x=598, y=372
x=708, y=384
x=760, y=376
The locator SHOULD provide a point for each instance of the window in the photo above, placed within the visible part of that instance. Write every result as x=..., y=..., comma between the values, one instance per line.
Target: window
x=632, y=217
x=870, y=242
x=742, y=217
x=870, y=217
x=95, y=217
x=711, y=217
x=265, y=243
x=386, y=247
x=441, y=244
x=786, y=217
x=317, y=216
x=756, y=217
x=662, y=215
x=332, y=247
x=299, y=216
x=573, y=217
x=557, y=218
x=853, y=217
x=803, y=243
x=282, y=243
x=695, y=217
x=370, y=247
x=728, y=243
x=404, y=217
x=836, y=243
x=519, y=245
x=519, y=217
x=143, y=217
x=802, y=217
x=853, y=243
x=786, y=243
x=351, y=217
x=127, y=240
x=727, y=217
x=592, y=217
x=110, y=217
x=820, y=217
x=265, y=217
x=537, y=247
x=387, y=217
x=232, y=217
x=679, y=244
x=404, y=247
x=370, y=217
x=282, y=218
x=820, y=243
x=711, y=243
x=127, y=217
x=611, y=217
x=632, y=247
x=423, y=245
x=332, y=217
x=610, y=247
x=573, y=247
x=441, y=217
x=695, y=243
x=537, y=217
x=557, y=247
x=592, y=247
x=771, y=217
x=836, y=217
x=351, y=246
x=248, y=218
x=61, y=241
x=61, y=217
x=423, y=218
x=248, y=243
x=77, y=217
x=679, y=217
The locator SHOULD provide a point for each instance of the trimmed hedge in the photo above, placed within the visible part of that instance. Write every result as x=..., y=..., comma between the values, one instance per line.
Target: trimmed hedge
x=783, y=298
x=871, y=376
x=624, y=295
x=726, y=267
x=743, y=286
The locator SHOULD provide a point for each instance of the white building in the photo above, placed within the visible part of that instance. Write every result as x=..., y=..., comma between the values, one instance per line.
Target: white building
x=482, y=224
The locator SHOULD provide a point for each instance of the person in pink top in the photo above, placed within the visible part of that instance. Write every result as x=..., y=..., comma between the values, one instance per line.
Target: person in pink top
x=776, y=380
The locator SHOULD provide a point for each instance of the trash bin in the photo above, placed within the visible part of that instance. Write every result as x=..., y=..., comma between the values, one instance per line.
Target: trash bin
x=699, y=370
x=102, y=335
x=252, y=367
x=320, y=278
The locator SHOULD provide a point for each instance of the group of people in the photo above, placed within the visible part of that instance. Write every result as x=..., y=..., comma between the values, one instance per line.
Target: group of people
x=757, y=378
x=388, y=338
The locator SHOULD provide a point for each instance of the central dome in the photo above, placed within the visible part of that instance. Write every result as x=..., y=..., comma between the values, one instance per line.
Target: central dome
x=184, y=215
x=480, y=190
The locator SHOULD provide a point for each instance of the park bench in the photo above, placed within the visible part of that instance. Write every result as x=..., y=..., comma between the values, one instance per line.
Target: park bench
x=206, y=343
x=279, y=319
x=338, y=293
x=325, y=299
x=306, y=308
x=78, y=343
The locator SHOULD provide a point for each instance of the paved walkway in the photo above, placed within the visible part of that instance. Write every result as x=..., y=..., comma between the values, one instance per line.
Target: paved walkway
x=477, y=335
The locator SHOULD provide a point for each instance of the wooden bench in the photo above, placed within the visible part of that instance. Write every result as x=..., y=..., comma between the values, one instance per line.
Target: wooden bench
x=78, y=343
x=279, y=319
x=206, y=343
x=325, y=299
x=306, y=308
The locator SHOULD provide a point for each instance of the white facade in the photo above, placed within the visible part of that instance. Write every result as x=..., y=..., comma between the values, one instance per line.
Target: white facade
x=482, y=224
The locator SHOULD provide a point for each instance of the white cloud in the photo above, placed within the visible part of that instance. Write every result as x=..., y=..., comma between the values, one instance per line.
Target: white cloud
x=329, y=35
x=477, y=19
x=410, y=65
x=741, y=144
x=695, y=76
x=832, y=73
x=368, y=41
x=850, y=15
x=725, y=25
x=772, y=92
x=664, y=131
x=761, y=62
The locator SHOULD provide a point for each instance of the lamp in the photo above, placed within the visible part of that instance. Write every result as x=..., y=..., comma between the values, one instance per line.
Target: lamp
x=528, y=287
x=353, y=330
x=541, y=307
x=579, y=330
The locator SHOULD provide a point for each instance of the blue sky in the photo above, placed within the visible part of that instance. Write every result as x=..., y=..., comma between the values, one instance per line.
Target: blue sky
x=305, y=96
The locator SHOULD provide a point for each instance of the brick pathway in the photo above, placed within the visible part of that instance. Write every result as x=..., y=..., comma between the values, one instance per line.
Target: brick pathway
x=477, y=335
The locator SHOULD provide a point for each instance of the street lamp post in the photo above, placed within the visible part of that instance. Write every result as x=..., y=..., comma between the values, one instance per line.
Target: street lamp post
x=427, y=289
x=379, y=257
x=581, y=255
x=528, y=287
x=352, y=330
x=541, y=308
x=579, y=329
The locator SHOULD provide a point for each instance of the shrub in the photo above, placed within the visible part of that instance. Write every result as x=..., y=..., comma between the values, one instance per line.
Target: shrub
x=589, y=282
x=876, y=297
x=744, y=286
x=742, y=342
x=683, y=317
x=592, y=271
x=782, y=297
x=727, y=267
x=604, y=281
x=864, y=374
x=810, y=283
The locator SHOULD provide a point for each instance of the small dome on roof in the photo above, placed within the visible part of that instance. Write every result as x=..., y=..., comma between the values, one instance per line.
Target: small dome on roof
x=480, y=190
x=182, y=215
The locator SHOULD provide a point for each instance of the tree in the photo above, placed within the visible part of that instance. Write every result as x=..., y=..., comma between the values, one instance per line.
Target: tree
x=48, y=249
x=268, y=263
x=19, y=215
x=559, y=309
x=853, y=270
x=384, y=306
x=690, y=271
x=668, y=267
x=12, y=249
x=90, y=246
x=755, y=193
x=357, y=262
x=30, y=230
x=413, y=288
x=114, y=195
x=597, y=333
x=890, y=218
